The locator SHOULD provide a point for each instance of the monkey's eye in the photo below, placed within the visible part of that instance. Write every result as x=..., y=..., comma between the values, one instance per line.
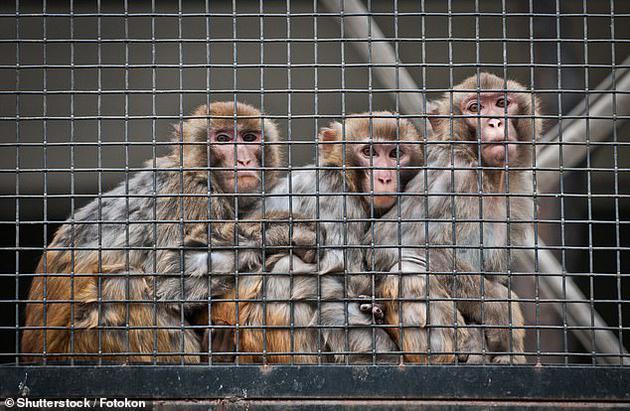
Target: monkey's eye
x=250, y=137
x=502, y=102
x=368, y=150
x=473, y=107
x=223, y=138
x=392, y=154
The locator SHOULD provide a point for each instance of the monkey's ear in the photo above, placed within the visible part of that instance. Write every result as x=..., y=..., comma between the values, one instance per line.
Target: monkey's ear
x=328, y=135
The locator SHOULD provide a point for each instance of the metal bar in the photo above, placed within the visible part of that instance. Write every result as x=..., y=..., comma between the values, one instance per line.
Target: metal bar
x=380, y=51
x=400, y=405
x=605, y=112
x=554, y=154
x=320, y=382
x=281, y=44
x=580, y=314
x=547, y=157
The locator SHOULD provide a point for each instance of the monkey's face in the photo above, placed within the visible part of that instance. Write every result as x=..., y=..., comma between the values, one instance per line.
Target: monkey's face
x=489, y=124
x=238, y=153
x=380, y=161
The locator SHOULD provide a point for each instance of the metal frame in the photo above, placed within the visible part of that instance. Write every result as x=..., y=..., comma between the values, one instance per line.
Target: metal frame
x=321, y=382
x=590, y=119
x=473, y=383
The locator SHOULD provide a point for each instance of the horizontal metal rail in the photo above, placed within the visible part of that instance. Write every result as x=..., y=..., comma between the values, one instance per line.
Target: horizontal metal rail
x=320, y=382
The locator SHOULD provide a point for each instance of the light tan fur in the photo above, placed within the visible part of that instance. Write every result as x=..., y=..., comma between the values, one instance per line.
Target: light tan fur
x=96, y=304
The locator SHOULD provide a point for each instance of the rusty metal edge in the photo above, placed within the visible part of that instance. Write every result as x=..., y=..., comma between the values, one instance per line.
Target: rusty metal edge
x=319, y=382
x=392, y=405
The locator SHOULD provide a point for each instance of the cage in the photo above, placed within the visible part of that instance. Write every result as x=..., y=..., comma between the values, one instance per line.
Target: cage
x=99, y=92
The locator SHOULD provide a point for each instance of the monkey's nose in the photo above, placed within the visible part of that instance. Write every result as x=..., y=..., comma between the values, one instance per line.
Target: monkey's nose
x=243, y=163
x=495, y=122
x=384, y=180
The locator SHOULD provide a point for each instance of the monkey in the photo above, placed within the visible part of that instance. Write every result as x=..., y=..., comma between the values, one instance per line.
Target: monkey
x=481, y=133
x=117, y=280
x=220, y=341
x=364, y=162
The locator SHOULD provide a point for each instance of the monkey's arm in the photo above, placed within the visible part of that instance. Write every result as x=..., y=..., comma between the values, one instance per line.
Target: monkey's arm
x=218, y=258
x=281, y=231
x=198, y=270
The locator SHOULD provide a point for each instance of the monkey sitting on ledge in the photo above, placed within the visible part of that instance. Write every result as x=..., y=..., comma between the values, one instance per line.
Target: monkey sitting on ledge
x=364, y=162
x=116, y=282
x=477, y=183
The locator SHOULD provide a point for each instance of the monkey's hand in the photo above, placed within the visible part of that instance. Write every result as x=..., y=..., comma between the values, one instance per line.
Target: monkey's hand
x=373, y=308
x=301, y=237
x=278, y=232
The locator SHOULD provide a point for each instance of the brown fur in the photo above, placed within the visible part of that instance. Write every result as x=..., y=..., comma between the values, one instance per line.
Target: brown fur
x=519, y=232
x=76, y=321
x=357, y=128
x=421, y=282
x=414, y=285
x=251, y=340
x=289, y=325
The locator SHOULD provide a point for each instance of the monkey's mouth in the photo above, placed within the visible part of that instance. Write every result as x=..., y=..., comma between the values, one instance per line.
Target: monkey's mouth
x=249, y=181
x=247, y=173
x=244, y=175
x=497, y=154
x=248, y=177
x=246, y=180
x=383, y=201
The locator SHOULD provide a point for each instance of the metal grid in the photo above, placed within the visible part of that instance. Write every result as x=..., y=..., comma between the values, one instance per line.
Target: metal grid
x=92, y=88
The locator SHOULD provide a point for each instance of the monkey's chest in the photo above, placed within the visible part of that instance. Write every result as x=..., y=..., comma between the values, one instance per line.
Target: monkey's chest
x=485, y=242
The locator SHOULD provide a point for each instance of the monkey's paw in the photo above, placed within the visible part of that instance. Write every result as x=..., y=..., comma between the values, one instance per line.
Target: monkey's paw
x=373, y=308
x=302, y=241
x=305, y=242
x=509, y=359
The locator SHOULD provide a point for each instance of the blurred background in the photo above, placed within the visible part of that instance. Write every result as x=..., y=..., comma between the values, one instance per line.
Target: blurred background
x=118, y=73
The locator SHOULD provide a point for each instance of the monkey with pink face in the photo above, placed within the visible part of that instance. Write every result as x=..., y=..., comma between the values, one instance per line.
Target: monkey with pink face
x=308, y=309
x=479, y=206
x=123, y=289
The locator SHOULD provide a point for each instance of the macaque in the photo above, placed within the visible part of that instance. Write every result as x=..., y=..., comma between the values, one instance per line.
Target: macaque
x=359, y=177
x=118, y=281
x=478, y=206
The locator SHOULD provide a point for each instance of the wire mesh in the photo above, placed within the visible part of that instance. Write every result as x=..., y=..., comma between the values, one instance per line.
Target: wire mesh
x=93, y=91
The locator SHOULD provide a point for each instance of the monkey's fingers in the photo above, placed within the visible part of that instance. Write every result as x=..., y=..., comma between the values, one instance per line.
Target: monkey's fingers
x=509, y=359
x=305, y=243
x=376, y=309
x=309, y=256
x=472, y=346
x=473, y=359
x=378, y=313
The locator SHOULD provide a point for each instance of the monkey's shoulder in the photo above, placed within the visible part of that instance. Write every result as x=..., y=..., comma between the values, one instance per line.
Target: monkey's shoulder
x=106, y=215
x=312, y=190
